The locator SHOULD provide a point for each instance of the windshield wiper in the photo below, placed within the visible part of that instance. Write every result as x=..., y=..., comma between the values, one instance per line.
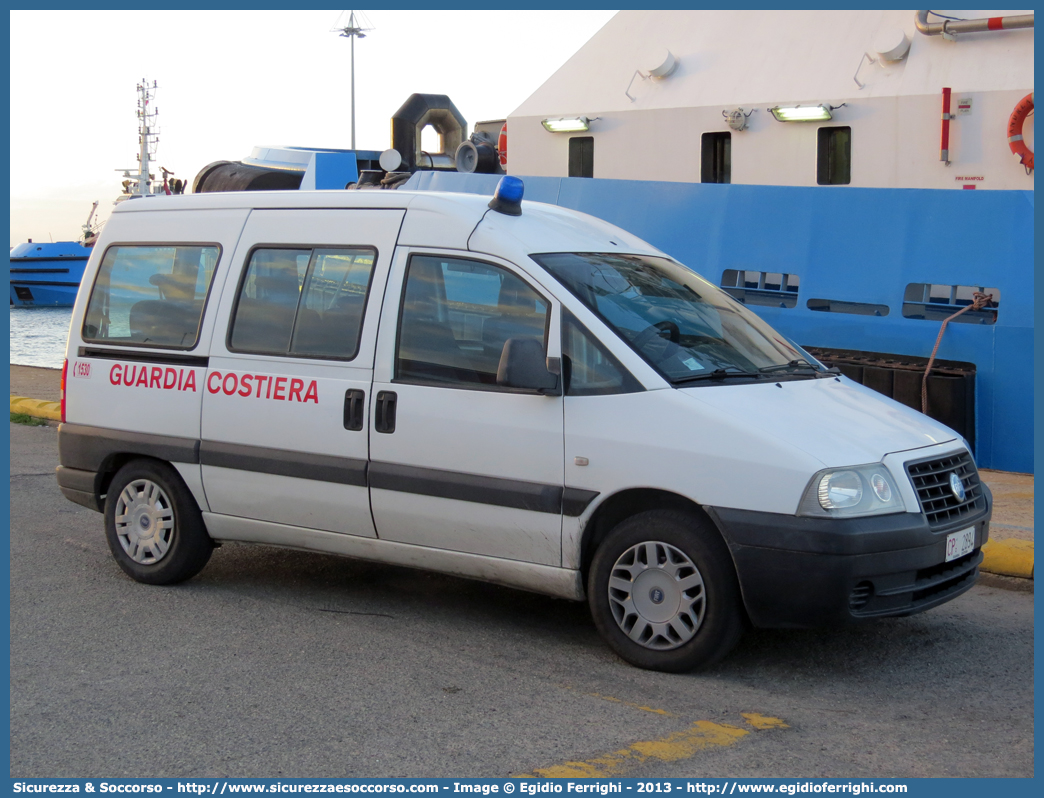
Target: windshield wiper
x=719, y=374
x=800, y=363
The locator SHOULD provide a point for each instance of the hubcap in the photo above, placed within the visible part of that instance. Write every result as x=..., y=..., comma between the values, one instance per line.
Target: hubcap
x=144, y=521
x=657, y=595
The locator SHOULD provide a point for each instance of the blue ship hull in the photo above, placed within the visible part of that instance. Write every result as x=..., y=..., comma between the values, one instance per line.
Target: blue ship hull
x=849, y=247
x=47, y=275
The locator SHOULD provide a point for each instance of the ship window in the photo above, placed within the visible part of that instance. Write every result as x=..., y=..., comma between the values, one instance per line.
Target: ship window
x=932, y=302
x=835, y=156
x=150, y=296
x=716, y=158
x=775, y=289
x=840, y=306
x=581, y=156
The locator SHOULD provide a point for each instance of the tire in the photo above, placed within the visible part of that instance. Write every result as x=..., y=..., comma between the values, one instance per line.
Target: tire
x=680, y=613
x=153, y=525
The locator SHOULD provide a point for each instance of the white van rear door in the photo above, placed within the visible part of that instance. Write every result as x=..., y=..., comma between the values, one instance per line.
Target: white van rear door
x=138, y=343
x=284, y=428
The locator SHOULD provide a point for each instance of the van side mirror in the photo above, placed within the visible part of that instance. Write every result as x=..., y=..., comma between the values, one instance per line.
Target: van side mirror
x=523, y=365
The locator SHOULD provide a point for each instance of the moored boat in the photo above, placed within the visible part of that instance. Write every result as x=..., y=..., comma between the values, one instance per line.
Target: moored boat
x=48, y=275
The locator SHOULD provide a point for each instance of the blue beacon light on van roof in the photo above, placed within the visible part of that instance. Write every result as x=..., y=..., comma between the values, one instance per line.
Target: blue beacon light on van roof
x=507, y=199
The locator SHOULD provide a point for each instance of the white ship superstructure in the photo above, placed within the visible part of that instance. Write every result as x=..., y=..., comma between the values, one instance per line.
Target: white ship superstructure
x=875, y=72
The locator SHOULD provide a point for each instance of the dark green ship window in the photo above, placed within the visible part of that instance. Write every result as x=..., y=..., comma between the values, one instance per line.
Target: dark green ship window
x=834, y=166
x=581, y=156
x=716, y=158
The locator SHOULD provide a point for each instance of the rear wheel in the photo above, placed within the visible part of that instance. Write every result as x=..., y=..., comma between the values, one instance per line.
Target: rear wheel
x=663, y=592
x=153, y=525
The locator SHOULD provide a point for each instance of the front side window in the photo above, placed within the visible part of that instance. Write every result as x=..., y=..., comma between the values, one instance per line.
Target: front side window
x=682, y=325
x=590, y=370
x=302, y=302
x=456, y=317
x=150, y=295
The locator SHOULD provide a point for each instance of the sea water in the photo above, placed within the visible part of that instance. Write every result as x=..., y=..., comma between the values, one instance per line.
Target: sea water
x=38, y=336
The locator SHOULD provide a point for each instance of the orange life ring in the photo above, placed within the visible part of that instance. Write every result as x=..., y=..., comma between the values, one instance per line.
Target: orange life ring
x=1018, y=116
x=502, y=146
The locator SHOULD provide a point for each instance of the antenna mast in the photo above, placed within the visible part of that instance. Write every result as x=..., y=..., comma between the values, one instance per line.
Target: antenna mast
x=353, y=31
x=138, y=185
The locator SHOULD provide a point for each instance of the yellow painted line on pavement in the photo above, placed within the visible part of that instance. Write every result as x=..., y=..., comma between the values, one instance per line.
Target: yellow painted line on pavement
x=1008, y=557
x=633, y=705
x=762, y=722
x=701, y=736
x=36, y=408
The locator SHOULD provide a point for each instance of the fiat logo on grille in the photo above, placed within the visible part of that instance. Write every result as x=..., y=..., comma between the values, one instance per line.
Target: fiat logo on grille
x=957, y=487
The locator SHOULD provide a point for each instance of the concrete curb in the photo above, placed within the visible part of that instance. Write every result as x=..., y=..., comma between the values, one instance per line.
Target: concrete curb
x=1004, y=557
x=1008, y=557
x=36, y=408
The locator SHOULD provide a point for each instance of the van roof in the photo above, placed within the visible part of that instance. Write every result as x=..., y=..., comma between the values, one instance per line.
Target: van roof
x=436, y=218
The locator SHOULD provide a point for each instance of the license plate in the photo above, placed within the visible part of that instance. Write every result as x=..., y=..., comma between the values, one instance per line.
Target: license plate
x=960, y=543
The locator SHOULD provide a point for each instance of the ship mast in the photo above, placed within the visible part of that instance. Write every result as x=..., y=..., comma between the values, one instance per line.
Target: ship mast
x=139, y=185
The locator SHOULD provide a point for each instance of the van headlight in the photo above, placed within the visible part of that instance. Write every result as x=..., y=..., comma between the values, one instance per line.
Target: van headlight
x=853, y=491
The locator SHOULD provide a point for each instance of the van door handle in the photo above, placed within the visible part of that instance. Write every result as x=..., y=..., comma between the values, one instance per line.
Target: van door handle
x=384, y=415
x=353, y=409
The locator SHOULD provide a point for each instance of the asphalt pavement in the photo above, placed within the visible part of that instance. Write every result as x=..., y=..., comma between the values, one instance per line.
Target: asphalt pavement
x=277, y=663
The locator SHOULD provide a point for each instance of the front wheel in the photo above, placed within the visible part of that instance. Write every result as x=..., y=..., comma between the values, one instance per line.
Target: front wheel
x=663, y=592
x=153, y=525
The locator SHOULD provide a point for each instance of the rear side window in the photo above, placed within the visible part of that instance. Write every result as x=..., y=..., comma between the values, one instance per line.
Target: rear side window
x=302, y=302
x=150, y=295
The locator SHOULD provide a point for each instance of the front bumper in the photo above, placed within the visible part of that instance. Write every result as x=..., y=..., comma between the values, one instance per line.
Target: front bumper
x=797, y=572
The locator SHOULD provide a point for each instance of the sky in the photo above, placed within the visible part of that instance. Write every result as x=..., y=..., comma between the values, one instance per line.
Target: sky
x=232, y=80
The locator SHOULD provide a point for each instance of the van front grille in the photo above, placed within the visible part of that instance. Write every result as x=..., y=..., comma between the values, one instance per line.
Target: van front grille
x=931, y=480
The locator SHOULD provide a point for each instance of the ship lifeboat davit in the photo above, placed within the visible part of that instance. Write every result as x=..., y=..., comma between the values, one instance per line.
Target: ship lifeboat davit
x=1015, y=123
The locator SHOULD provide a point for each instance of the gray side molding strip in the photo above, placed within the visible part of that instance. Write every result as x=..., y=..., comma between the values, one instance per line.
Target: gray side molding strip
x=519, y=494
x=303, y=465
x=87, y=448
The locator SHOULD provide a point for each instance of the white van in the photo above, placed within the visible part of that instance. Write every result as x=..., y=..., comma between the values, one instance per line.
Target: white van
x=503, y=390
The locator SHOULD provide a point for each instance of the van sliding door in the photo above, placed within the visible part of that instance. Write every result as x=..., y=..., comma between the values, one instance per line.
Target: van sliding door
x=284, y=427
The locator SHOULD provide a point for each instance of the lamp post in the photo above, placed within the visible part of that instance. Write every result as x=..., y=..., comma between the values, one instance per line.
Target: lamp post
x=353, y=31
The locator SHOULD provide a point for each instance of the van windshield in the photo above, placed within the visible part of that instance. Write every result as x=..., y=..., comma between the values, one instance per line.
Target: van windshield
x=686, y=328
